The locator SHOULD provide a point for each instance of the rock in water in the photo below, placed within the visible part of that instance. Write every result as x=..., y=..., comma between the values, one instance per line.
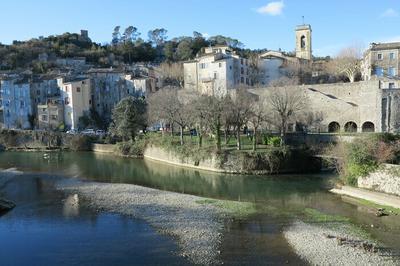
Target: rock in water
x=6, y=205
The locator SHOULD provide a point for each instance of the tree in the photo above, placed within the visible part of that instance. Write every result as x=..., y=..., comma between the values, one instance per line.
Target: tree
x=257, y=69
x=166, y=105
x=171, y=74
x=116, y=35
x=157, y=36
x=128, y=117
x=241, y=109
x=285, y=103
x=199, y=111
x=184, y=50
x=130, y=34
x=347, y=63
x=258, y=116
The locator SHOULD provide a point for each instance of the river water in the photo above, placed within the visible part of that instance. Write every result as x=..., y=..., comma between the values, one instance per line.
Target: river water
x=52, y=228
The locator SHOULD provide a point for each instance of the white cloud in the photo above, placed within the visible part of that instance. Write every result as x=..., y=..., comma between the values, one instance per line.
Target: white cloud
x=272, y=8
x=389, y=13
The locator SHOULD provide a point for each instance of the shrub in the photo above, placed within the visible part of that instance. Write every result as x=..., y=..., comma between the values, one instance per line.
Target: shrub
x=364, y=155
x=273, y=141
x=132, y=148
x=80, y=143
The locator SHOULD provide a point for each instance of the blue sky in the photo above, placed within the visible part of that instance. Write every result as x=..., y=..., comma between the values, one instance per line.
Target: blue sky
x=257, y=23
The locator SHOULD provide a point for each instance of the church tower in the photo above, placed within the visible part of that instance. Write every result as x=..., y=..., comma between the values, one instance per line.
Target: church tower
x=303, y=42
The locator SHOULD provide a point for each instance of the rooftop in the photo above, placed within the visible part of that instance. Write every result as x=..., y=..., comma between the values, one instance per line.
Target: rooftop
x=384, y=46
x=303, y=27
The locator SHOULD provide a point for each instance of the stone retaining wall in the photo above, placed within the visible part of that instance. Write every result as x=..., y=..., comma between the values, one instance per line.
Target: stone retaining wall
x=162, y=155
x=103, y=148
x=386, y=179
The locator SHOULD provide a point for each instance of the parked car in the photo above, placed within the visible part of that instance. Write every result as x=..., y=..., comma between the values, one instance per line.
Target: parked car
x=89, y=131
x=72, y=132
x=100, y=133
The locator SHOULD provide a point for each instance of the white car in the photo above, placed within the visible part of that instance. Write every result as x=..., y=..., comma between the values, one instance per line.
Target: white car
x=89, y=131
x=72, y=132
x=100, y=132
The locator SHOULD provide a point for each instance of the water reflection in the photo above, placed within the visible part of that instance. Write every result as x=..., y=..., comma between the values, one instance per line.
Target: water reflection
x=50, y=228
x=288, y=193
x=71, y=206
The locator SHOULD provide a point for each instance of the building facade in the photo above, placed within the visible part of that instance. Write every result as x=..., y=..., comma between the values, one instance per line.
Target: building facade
x=16, y=103
x=278, y=64
x=76, y=97
x=381, y=61
x=216, y=71
x=50, y=116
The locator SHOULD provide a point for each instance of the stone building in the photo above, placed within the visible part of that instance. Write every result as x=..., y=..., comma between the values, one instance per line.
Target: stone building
x=108, y=88
x=352, y=107
x=16, y=97
x=278, y=64
x=76, y=97
x=381, y=61
x=216, y=71
x=50, y=116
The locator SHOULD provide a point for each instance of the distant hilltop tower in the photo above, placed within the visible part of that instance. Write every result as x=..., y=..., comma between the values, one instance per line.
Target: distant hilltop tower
x=303, y=42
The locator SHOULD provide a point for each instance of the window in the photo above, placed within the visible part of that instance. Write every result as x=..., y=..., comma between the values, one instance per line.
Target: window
x=22, y=103
x=247, y=81
x=38, y=92
x=215, y=75
x=242, y=80
x=242, y=71
x=391, y=85
x=90, y=102
x=220, y=64
x=391, y=56
x=203, y=65
x=379, y=71
x=78, y=89
x=303, y=42
x=380, y=57
x=66, y=88
x=66, y=100
x=44, y=109
x=54, y=117
x=392, y=71
x=241, y=61
x=44, y=117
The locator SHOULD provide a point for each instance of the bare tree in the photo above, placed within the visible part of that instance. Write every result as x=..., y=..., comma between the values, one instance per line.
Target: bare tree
x=285, y=103
x=258, y=116
x=347, y=62
x=241, y=109
x=256, y=70
x=311, y=120
x=166, y=105
x=171, y=74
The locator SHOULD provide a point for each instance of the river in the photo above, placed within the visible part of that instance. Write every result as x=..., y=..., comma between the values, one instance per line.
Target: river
x=48, y=227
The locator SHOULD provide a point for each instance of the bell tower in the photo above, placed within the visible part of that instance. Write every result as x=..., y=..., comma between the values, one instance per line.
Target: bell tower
x=303, y=42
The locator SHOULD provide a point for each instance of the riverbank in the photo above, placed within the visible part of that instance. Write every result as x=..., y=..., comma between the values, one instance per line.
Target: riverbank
x=196, y=223
x=373, y=196
x=335, y=245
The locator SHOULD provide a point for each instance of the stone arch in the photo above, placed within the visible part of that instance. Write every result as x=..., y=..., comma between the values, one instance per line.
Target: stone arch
x=350, y=127
x=333, y=127
x=368, y=127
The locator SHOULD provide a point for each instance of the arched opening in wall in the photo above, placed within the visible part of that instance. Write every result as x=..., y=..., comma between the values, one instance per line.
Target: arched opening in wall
x=350, y=127
x=303, y=42
x=368, y=127
x=333, y=127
